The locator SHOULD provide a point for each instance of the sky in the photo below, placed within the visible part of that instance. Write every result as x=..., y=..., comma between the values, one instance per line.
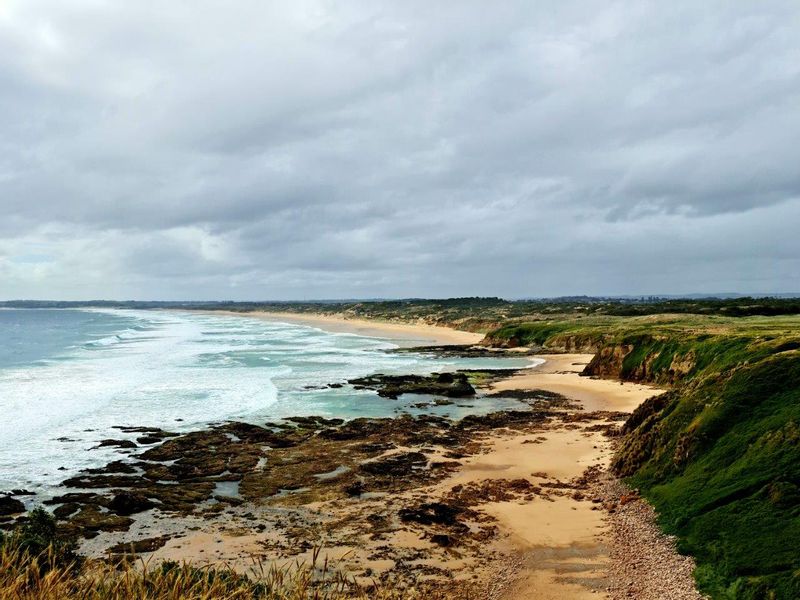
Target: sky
x=309, y=149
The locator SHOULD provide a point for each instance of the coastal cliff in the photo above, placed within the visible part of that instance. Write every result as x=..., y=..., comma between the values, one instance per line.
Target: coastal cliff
x=717, y=454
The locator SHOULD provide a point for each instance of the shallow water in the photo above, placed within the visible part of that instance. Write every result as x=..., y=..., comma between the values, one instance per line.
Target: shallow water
x=68, y=377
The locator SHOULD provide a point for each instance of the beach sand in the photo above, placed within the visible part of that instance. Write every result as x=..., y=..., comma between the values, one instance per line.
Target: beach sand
x=554, y=544
x=403, y=334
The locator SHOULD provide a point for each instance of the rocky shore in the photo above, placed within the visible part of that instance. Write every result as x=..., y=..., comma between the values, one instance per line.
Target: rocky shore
x=418, y=501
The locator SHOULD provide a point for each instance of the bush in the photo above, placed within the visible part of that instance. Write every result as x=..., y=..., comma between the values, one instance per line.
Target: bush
x=38, y=536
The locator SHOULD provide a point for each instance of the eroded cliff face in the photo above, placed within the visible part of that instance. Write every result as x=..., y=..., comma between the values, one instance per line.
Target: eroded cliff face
x=650, y=361
x=562, y=343
x=607, y=362
x=576, y=344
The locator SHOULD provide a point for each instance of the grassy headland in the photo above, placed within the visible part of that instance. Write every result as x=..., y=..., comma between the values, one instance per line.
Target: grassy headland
x=718, y=454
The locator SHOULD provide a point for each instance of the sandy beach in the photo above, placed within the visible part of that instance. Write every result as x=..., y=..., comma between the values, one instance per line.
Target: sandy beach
x=536, y=521
x=403, y=334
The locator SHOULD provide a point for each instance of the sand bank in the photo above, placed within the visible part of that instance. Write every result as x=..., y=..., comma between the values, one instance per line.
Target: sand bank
x=404, y=334
x=560, y=373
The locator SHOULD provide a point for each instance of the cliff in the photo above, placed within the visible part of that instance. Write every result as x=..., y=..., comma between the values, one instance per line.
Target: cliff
x=717, y=454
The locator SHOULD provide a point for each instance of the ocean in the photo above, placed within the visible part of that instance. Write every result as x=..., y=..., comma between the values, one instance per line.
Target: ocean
x=70, y=378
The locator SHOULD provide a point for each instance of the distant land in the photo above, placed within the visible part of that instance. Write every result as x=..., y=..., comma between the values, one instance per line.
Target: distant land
x=468, y=307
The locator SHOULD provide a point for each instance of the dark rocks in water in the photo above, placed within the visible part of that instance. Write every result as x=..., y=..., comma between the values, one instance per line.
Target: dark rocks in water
x=97, y=481
x=20, y=492
x=10, y=506
x=181, y=475
x=445, y=378
x=396, y=465
x=116, y=443
x=315, y=422
x=148, y=439
x=128, y=503
x=156, y=431
x=451, y=385
x=462, y=351
x=431, y=513
x=248, y=433
x=116, y=466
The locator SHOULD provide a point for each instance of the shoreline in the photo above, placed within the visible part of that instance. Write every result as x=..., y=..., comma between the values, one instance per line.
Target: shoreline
x=404, y=334
x=533, y=517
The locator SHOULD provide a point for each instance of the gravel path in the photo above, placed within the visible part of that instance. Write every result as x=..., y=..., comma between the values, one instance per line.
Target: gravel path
x=644, y=562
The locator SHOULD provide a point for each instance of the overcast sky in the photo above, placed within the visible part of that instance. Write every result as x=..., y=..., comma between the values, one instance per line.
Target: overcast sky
x=302, y=149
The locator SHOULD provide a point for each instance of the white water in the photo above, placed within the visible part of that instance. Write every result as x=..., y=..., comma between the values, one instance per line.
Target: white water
x=100, y=369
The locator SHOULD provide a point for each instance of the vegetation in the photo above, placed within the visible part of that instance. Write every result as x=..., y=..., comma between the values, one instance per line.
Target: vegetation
x=720, y=460
x=718, y=454
x=36, y=564
x=476, y=314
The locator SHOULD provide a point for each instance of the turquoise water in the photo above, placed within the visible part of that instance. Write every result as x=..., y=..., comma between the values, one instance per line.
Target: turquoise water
x=68, y=377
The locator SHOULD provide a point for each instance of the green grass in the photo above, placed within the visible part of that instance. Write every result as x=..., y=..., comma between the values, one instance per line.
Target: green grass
x=721, y=464
x=719, y=455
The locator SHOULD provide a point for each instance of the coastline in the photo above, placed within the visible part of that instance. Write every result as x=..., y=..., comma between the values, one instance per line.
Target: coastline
x=538, y=517
x=403, y=334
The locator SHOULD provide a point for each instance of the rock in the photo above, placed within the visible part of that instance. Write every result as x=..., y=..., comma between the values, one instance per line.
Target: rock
x=431, y=513
x=354, y=489
x=79, y=497
x=396, y=465
x=148, y=439
x=116, y=443
x=229, y=500
x=65, y=510
x=442, y=539
x=10, y=506
x=128, y=503
x=90, y=519
x=314, y=422
x=451, y=385
x=139, y=546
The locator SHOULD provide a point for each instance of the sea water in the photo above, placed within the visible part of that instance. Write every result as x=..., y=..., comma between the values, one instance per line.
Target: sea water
x=70, y=378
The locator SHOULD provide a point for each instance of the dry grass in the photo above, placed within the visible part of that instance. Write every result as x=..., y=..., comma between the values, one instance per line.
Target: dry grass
x=27, y=577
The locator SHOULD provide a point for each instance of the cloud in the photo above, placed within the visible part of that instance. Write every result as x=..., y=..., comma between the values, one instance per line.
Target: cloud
x=317, y=149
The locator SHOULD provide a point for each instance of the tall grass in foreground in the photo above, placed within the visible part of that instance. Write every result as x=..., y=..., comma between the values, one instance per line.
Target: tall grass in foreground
x=24, y=576
x=37, y=564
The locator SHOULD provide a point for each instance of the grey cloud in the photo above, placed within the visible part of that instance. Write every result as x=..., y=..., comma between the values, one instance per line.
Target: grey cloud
x=320, y=150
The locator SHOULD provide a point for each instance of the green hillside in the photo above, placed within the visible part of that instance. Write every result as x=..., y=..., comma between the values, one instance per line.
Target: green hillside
x=718, y=454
